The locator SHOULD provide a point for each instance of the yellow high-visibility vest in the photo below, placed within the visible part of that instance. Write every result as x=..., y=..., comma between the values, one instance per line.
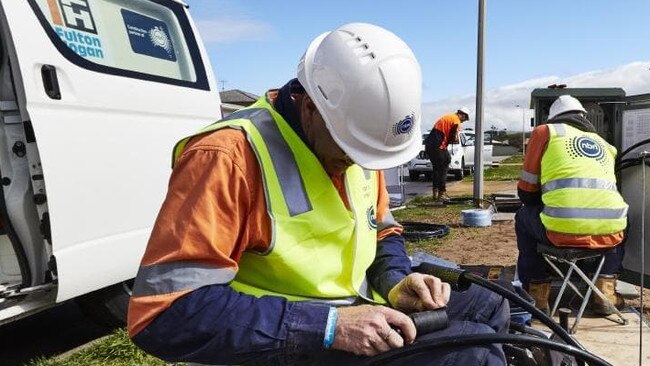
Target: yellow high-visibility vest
x=579, y=185
x=320, y=250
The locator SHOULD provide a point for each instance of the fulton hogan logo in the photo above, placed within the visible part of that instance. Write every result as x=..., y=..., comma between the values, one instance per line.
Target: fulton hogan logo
x=73, y=22
x=588, y=147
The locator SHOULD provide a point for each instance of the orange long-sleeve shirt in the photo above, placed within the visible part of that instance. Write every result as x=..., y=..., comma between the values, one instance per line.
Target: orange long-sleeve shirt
x=215, y=210
x=449, y=125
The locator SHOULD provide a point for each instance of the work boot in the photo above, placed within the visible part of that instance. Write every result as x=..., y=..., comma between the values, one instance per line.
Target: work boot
x=443, y=197
x=607, y=285
x=540, y=291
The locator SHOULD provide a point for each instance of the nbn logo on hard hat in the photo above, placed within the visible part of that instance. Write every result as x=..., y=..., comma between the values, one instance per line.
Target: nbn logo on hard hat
x=588, y=147
x=405, y=125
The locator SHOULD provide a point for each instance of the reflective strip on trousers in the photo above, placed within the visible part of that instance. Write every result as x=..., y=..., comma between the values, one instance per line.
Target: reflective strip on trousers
x=165, y=278
x=585, y=213
x=284, y=162
x=589, y=183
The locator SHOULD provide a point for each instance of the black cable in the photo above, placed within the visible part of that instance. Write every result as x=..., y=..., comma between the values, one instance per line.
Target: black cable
x=453, y=276
x=483, y=339
x=630, y=162
x=458, y=278
x=527, y=330
x=626, y=151
x=414, y=231
x=538, y=314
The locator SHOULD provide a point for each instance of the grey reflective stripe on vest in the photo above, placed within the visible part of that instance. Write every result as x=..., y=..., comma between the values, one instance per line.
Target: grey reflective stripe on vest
x=365, y=290
x=559, y=129
x=366, y=173
x=284, y=162
x=589, y=183
x=529, y=177
x=585, y=213
x=165, y=278
x=336, y=302
x=388, y=221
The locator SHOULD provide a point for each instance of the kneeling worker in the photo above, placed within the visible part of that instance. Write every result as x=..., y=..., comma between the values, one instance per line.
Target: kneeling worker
x=569, y=195
x=275, y=244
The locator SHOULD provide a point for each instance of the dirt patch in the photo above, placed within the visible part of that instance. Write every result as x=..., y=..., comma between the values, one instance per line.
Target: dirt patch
x=495, y=244
x=492, y=245
x=466, y=188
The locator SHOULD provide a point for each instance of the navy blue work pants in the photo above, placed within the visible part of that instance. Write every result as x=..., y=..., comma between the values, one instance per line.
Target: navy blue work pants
x=530, y=264
x=475, y=311
x=440, y=160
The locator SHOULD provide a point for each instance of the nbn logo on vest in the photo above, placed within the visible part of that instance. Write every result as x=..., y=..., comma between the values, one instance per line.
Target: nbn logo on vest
x=372, y=218
x=588, y=147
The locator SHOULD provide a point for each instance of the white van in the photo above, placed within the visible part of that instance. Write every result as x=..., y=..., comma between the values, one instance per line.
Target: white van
x=93, y=96
x=462, y=157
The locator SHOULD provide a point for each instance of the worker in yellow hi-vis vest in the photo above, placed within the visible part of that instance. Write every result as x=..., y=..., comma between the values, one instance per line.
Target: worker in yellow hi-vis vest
x=570, y=199
x=275, y=244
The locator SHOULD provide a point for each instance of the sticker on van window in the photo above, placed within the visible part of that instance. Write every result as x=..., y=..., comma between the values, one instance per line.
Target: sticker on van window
x=74, y=23
x=148, y=36
x=76, y=14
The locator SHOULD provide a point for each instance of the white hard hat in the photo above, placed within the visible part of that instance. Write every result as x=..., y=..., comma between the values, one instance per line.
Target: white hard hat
x=565, y=103
x=367, y=85
x=464, y=110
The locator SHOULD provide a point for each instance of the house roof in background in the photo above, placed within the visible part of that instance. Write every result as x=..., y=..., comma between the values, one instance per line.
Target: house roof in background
x=239, y=97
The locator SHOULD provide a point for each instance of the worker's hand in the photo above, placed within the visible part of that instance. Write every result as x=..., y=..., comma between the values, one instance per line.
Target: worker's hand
x=419, y=292
x=372, y=329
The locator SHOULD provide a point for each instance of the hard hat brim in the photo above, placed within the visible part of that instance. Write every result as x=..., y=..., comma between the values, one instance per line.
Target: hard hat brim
x=379, y=160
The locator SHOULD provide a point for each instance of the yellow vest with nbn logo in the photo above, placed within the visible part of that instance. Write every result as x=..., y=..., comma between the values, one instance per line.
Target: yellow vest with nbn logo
x=579, y=185
x=320, y=250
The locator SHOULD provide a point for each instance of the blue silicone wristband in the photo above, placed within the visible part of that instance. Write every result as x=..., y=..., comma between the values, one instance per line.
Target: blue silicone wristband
x=330, y=328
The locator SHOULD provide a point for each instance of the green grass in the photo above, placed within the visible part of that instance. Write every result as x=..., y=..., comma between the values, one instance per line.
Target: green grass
x=509, y=169
x=114, y=350
x=514, y=159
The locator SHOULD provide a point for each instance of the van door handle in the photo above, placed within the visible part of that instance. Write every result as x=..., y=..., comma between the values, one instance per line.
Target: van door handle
x=51, y=81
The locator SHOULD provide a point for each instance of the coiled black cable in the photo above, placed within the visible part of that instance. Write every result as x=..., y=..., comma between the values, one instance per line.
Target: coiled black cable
x=483, y=339
x=458, y=277
x=414, y=231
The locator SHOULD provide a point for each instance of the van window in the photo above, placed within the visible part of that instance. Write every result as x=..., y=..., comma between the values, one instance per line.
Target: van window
x=468, y=139
x=148, y=39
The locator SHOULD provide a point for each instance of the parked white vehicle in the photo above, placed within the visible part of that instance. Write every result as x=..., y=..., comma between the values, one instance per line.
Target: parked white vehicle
x=462, y=157
x=93, y=96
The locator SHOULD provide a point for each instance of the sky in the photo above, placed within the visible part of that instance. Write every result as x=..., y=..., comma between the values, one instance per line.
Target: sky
x=255, y=45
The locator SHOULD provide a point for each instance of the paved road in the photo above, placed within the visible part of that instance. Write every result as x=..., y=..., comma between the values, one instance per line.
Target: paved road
x=45, y=334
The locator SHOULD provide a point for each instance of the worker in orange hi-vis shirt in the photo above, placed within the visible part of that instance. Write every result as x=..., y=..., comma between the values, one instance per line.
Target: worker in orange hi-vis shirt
x=445, y=131
x=275, y=244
